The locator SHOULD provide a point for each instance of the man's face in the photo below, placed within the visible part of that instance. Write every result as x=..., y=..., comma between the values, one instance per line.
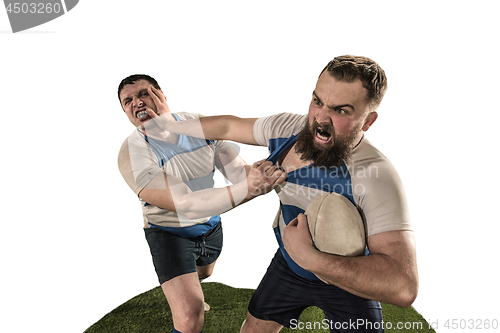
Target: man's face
x=134, y=99
x=337, y=119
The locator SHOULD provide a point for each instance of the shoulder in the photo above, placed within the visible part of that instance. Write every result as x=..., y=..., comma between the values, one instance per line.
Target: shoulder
x=136, y=153
x=278, y=125
x=368, y=162
x=135, y=145
x=282, y=119
x=135, y=162
x=378, y=190
x=135, y=138
x=132, y=142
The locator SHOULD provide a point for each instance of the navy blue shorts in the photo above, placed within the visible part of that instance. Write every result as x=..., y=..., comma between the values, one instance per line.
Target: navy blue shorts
x=282, y=295
x=174, y=255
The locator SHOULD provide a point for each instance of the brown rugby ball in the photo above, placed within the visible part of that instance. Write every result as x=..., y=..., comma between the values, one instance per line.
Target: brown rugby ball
x=336, y=226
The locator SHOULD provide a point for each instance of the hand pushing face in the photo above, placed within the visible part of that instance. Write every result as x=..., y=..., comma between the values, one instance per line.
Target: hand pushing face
x=142, y=102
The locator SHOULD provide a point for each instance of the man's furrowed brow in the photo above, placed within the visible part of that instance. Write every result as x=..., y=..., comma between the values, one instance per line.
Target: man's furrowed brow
x=316, y=96
x=139, y=93
x=126, y=99
x=338, y=107
x=334, y=107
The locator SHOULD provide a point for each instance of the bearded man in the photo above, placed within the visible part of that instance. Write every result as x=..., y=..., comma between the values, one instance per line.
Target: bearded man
x=326, y=151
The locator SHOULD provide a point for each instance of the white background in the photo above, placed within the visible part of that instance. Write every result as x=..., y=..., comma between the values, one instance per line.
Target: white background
x=71, y=240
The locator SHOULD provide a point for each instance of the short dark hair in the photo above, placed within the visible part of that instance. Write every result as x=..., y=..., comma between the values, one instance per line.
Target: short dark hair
x=348, y=68
x=133, y=79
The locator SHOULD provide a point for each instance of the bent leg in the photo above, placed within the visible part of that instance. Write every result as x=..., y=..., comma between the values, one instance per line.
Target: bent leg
x=205, y=271
x=185, y=298
x=210, y=246
x=255, y=325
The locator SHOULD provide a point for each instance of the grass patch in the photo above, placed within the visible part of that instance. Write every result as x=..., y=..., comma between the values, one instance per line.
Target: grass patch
x=149, y=312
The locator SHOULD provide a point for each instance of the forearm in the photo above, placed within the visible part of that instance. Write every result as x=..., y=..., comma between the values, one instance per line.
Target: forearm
x=388, y=274
x=231, y=165
x=376, y=276
x=262, y=178
x=191, y=127
x=169, y=192
x=214, y=128
x=212, y=201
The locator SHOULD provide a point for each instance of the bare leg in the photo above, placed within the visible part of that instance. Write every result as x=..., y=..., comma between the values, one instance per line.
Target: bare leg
x=186, y=300
x=185, y=297
x=203, y=273
x=254, y=325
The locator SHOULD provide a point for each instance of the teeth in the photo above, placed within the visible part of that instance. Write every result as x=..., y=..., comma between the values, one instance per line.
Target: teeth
x=322, y=134
x=323, y=137
x=141, y=114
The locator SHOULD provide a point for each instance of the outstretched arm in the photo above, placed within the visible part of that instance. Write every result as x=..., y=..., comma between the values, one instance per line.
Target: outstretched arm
x=168, y=192
x=229, y=128
x=389, y=274
x=212, y=128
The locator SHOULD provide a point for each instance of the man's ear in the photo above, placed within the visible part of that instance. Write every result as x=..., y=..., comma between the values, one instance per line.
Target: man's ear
x=369, y=120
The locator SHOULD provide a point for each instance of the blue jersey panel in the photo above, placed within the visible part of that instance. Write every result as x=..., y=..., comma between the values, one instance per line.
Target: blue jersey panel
x=312, y=179
x=191, y=231
x=164, y=151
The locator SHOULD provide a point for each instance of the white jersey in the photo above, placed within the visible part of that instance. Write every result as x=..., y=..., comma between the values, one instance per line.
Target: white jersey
x=368, y=180
x=191, y=160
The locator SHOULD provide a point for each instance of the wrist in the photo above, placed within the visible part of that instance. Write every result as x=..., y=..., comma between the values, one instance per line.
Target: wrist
x=238, y=193
x=165, y=121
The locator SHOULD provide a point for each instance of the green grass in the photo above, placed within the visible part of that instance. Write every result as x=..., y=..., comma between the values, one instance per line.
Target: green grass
x=149, y=312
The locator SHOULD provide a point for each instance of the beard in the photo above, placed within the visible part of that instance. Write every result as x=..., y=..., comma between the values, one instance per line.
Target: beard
x=335, y=153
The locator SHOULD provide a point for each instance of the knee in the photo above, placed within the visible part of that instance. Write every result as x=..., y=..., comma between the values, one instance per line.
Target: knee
x=254, y=325
x=191, y=320
x=205, y=272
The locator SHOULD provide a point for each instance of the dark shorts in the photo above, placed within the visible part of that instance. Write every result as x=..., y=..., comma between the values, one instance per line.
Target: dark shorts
x=175, y=255
x=282, y=296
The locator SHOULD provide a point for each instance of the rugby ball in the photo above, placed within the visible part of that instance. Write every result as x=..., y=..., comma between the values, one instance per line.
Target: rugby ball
x=336, y=225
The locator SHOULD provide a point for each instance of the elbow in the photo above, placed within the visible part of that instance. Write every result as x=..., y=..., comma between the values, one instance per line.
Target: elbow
x=408, y=285
x=193, y=216
x=406, y=299
x=187, y=208
x=407, y=295
x=184, y=207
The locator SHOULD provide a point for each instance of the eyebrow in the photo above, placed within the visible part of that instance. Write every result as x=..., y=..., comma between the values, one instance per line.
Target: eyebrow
x=336, y=107
x=126, y=99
